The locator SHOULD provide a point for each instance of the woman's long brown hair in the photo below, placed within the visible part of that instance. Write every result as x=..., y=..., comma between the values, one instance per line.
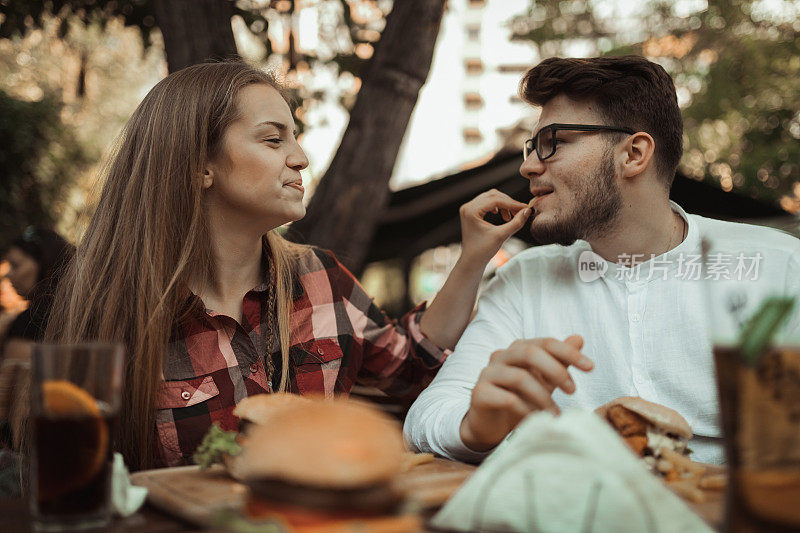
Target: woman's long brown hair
x=148, y=239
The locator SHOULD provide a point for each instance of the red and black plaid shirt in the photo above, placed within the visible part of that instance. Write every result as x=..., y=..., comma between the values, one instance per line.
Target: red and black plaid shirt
x=339, y=337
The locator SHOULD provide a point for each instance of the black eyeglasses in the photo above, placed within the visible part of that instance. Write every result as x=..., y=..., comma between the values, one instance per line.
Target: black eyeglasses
x=545, y=142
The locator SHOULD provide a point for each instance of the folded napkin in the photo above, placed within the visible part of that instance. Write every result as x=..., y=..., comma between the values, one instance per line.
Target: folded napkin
x=562, y=474
x=126, y=498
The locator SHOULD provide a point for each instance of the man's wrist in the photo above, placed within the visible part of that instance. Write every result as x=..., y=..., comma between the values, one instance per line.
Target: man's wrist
x=469, y=439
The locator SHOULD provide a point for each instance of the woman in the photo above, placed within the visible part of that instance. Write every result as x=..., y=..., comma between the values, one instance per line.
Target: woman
x=36, y=259
x=183, y=264
x=11, y=303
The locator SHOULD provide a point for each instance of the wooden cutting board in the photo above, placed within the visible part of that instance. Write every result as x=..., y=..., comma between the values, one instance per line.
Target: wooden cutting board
x=198, y=495
x=190, y=493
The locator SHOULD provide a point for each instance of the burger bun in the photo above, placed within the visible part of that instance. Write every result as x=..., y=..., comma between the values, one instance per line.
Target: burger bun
x=340, y=444
x=660, y=416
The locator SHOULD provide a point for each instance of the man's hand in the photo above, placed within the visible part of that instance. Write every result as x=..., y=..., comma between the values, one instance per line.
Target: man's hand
x=480, y=239
x=518, y=381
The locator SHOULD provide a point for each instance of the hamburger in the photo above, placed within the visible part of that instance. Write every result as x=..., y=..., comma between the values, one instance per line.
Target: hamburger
x=256, y=410
x=322, y=463
x=221, y=446
x=651, y=430
x=313, y=465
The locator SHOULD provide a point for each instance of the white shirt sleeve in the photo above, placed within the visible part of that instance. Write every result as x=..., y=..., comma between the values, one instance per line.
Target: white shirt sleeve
x=433, y=422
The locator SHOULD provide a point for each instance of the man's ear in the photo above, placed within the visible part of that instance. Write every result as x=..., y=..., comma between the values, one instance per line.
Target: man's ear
x=637, y=154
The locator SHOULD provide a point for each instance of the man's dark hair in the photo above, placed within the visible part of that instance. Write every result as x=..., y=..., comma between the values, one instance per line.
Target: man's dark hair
x=630, y=91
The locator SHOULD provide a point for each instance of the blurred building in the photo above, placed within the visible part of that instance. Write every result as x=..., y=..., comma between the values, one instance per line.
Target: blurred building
x=470, y=98
x=464, y=111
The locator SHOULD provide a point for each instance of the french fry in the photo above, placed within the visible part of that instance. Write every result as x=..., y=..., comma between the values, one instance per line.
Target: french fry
x=713, y=482
x=683, y=463
x=687, y=489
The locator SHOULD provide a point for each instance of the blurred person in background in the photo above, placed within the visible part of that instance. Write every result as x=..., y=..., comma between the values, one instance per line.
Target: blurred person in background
x=11, y=303
x=36, y=260
x=183, y=264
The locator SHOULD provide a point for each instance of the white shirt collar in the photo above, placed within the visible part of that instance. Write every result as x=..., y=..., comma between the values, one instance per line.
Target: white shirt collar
x=657, y=265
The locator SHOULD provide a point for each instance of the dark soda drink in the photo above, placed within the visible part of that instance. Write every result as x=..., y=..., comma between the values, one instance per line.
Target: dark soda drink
x=72, y=462
x=75, y=396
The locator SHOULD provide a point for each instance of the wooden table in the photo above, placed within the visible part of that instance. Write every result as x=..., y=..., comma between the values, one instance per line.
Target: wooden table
x=432, y=483
x=15, y=517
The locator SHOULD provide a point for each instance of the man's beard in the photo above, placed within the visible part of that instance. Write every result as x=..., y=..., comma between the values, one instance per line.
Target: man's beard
x=597, y=206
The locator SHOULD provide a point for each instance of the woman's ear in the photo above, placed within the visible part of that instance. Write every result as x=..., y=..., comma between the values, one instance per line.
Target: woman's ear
x=208, y=177
x=637, y=154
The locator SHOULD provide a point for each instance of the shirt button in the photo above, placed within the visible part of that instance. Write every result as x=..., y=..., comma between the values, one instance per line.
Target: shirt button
x=186, y=395
x=254, y=368
x=635, y=317
x=319, y=351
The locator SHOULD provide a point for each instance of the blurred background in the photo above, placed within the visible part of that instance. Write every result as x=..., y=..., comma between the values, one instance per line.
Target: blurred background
x=407, y=108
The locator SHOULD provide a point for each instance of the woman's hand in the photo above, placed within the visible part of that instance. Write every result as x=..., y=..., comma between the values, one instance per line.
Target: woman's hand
x=450, y=311
x=480, y=239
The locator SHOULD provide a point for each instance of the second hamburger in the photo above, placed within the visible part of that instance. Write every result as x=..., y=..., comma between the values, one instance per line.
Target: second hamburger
x=648, y=429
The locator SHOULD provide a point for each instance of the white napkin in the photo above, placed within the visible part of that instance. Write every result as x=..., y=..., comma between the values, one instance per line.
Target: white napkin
x=126, y=498
x=562, y=474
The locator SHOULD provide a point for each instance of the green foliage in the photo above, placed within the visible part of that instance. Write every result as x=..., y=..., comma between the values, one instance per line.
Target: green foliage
x=23, y=15
x=759, y=332
x=350, y=63
x=736, y=66
x=33, y=61
x=38, y=159
x=753, y=89
x=234, y=521
x=216, y=444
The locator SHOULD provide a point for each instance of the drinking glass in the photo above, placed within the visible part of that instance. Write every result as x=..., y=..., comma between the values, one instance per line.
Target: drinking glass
x=759, y=394
x=75, y=396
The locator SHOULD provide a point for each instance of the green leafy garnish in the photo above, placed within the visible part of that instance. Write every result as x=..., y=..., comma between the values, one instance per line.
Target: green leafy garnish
x=230, y=520
x=216, y=444
x=757, y=333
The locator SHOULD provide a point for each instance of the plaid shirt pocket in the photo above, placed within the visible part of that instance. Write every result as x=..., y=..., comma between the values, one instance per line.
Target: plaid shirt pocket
x=175, y=398
x=316, y=366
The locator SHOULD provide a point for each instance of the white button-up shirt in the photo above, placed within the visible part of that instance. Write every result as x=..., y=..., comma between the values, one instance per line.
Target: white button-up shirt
x=646, y=328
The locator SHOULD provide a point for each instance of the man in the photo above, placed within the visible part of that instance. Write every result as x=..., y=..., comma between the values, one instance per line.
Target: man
x=610, y=294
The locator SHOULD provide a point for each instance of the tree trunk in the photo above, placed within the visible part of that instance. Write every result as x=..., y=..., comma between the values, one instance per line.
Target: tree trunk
x=345, y=208
x=195, y=30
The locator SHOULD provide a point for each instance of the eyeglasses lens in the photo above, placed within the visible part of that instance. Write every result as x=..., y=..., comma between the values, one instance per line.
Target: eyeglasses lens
x=527, y=148
x=545, y=143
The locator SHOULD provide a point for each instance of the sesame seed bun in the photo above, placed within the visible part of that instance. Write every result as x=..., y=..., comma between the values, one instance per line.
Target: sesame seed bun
x=337, y=444
x=253, y=411
x=659, y=415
